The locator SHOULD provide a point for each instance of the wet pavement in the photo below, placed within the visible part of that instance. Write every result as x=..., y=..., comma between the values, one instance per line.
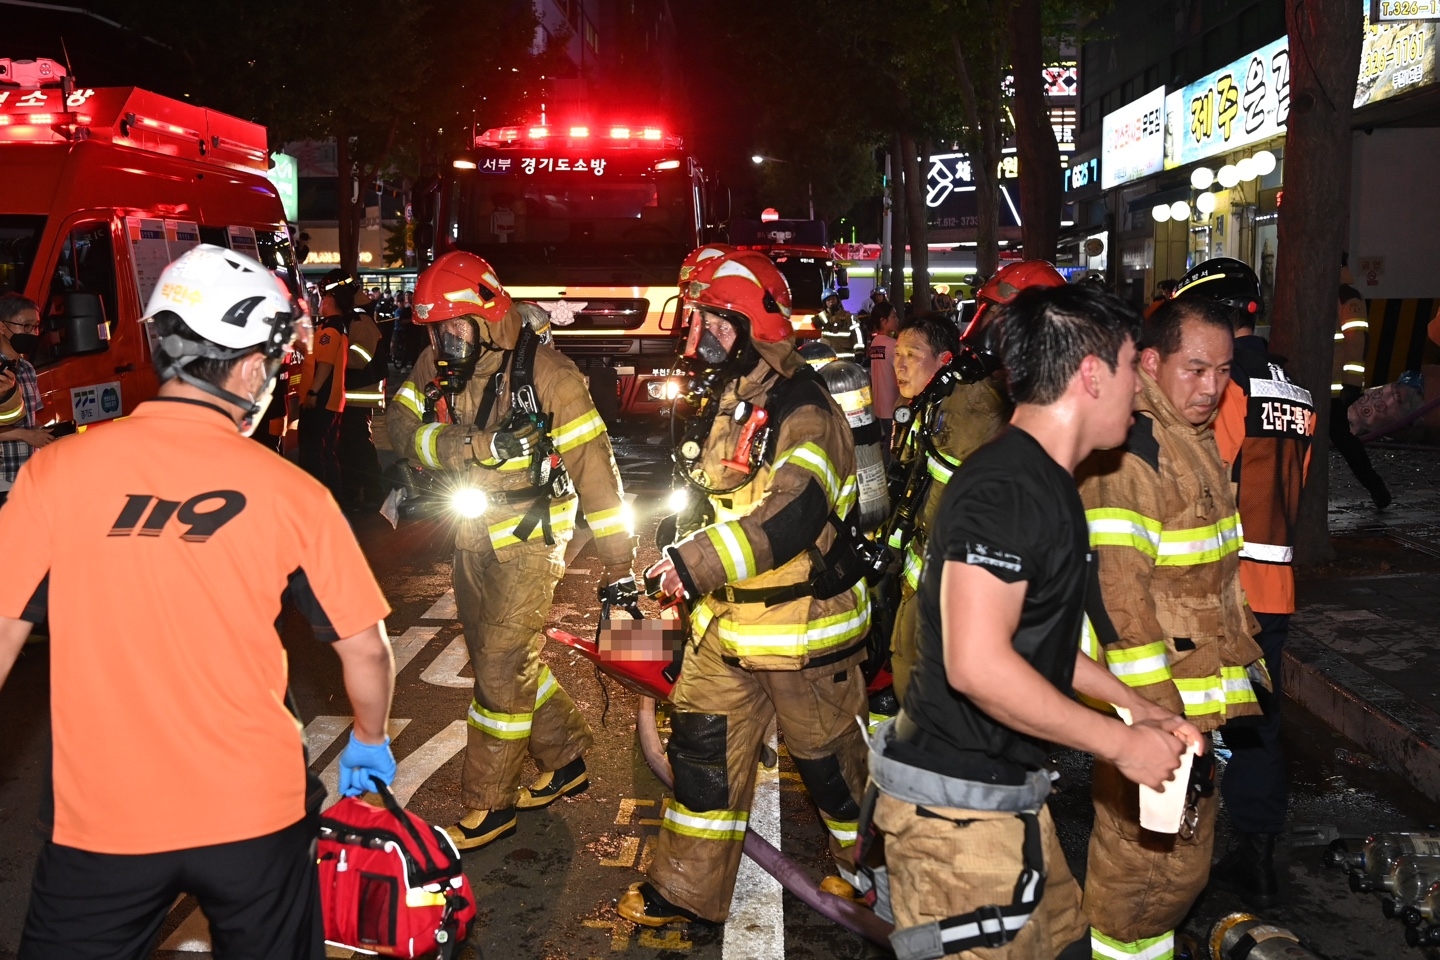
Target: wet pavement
x=549, y=892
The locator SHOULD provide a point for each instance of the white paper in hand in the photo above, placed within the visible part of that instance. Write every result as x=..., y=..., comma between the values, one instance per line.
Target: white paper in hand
x=390, y=509
x=1162, y=810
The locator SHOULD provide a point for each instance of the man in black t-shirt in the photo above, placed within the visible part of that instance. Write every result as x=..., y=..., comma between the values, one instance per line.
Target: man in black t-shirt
x=960, y=773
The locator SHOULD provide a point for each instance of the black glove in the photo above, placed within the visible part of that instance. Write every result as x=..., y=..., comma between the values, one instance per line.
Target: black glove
x=520, y=438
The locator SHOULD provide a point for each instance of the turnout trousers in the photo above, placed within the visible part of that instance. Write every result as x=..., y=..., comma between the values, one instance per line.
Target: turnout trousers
x=359, y=462
x=518, y=707
x=720, y=718
x=946, y=862
x=1139, y=885
x=319, y=448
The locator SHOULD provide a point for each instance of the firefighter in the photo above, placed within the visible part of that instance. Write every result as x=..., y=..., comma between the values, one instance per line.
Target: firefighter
x=954, y=405
x=1162, y=517
x=839, y=328
x=322, y=384
x=779, y=608
x=511, y=422
x=1347, y=382
x=1264, y=430
x=366, y=364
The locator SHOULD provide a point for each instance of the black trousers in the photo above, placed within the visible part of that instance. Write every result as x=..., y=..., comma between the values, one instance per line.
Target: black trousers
x=1254, y=786
x=359, y=463
x=320, y=448
x=1349, y=445
x=261, y=896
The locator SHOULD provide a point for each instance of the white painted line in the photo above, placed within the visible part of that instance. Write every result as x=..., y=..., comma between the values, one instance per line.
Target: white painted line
x=331, y=775
x=444, y=670
x=421, y=764
x=321, y=732
x=442, y=609
x=410, y=643
x=756, y=928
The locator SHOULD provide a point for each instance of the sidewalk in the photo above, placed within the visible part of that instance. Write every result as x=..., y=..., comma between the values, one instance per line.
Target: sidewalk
x=1364, y=647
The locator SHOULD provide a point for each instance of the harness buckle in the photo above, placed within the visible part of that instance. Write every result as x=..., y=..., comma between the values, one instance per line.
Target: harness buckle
x=729, y=593
x=991, y=913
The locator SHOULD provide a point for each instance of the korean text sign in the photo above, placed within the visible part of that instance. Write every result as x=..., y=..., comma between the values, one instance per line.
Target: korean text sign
x=1245, y=102
x=1133, y=140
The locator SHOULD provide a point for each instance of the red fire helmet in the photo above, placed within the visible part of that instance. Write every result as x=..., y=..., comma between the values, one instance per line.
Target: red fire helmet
x=456, y=285
x=1008, y=281
x=747, y=283
x=699, y=255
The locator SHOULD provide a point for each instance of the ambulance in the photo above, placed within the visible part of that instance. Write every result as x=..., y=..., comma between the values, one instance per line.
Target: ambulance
x=99, y=190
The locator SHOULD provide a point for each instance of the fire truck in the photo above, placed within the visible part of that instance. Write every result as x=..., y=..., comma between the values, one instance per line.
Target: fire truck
x=591, y=222
x=800, y=250
x=99, y=191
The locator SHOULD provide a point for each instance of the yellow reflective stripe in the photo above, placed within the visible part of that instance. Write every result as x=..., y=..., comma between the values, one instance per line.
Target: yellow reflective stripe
x=1138, y=666
x=1237, y=686
x=546, y=687
x=1354, y=325
x=733, y=546
x=365, y=396
x=789, y=639
x=502, y=726
x=410, y=398
x=427, y=444
x=914, y=563
x=845, y=832
x=1090, y=641
x=603, y=523
x=364, y=354
x=940, y=471
x=1150, y=948
x=1201, y=695
x=707, y=825
x=811, y=457
x=1197, y=545
x=849, y=495
x=874, y=720
x=8, y=418
x=562, y=520
x=1115, y=527
x=582, y=429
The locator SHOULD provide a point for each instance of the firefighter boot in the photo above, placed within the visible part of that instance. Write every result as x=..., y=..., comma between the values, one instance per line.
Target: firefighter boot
x=554, y=784
x=643, y=904
x=1249, y=870
x=479, y=828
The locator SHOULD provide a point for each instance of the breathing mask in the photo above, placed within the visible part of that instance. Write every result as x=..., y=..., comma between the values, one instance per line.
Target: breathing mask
x=457, y=350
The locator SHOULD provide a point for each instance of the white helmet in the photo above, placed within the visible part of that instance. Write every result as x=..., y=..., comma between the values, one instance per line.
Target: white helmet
x=228, y=299
x=234, y=304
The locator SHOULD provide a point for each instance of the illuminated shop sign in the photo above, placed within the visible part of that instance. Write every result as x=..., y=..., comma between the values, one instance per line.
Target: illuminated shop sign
x=1396, y=58
x=1245, y=102
x=1392, y=11
x=1133, y=140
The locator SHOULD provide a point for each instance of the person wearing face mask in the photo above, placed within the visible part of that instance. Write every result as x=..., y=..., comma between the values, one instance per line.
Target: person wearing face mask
x=779, y=607
x=20, y=402
x=192, y=778
x=322, y=383
x=510, y=424
x=1164, y=522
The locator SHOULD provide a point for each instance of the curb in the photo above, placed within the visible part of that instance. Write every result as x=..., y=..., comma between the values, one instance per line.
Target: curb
x=1388, y=724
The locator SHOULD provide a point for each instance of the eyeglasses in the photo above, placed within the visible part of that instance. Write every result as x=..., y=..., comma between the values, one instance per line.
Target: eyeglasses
x=24, y=327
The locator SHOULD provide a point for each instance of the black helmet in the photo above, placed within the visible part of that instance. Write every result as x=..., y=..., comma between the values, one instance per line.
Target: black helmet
x=1224, y=280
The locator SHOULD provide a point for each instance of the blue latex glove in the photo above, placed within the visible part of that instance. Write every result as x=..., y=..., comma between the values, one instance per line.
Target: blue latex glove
x=361, y=761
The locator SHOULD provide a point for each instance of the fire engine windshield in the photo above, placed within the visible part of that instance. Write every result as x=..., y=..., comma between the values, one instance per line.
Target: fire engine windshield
x=808, y=278
x=575, y=227
x=19, y=236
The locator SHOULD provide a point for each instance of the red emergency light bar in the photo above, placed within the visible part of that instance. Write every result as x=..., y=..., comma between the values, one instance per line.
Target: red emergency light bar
x=616, y=136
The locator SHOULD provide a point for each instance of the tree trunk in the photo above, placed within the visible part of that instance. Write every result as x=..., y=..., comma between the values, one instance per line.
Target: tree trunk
x=350, y=210
x=984, y=141
x=1036, y=148
x=899, y=228
x=1325, y=40
x=915, y=213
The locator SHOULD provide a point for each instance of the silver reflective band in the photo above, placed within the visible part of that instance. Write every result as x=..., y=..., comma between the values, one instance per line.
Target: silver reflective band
x=1267, y=552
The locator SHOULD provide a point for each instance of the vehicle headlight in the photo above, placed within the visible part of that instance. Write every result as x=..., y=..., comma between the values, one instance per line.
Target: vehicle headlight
x=663, y=389
x=469, y=503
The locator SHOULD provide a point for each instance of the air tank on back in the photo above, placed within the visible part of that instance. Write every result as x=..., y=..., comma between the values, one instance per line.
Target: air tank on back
x=850, y=386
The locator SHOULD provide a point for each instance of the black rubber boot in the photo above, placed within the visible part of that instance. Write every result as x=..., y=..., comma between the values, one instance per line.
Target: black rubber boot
x=1249, y=870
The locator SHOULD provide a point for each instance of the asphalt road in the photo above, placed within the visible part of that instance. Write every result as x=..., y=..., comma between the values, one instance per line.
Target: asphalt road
x=549, y=892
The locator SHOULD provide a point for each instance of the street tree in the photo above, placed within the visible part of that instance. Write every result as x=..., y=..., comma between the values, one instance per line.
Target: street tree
x=1325, y=41
x=978, y=38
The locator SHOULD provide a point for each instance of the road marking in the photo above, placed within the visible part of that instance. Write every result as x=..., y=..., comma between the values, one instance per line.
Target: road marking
x=629, y=850
x=442, y=609
x=756, y=929
x=321, y=732
x=444, y=670
x=331, y=775
x=626, y=812
x=410, y=643
x=420, y=765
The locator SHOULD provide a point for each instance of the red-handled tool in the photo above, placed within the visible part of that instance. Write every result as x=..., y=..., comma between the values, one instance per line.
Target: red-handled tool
x=743, y=446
